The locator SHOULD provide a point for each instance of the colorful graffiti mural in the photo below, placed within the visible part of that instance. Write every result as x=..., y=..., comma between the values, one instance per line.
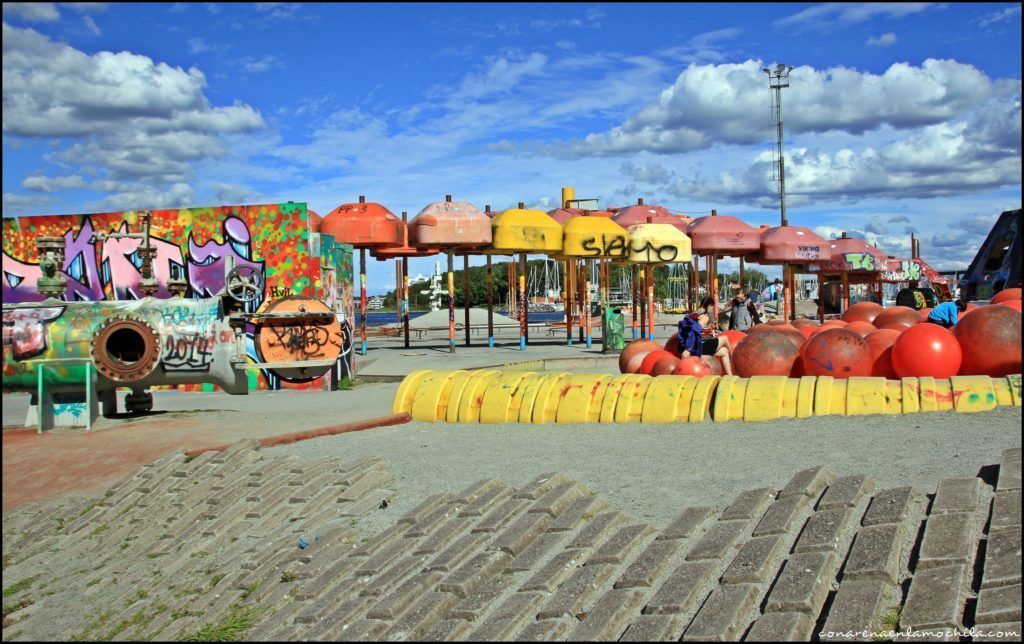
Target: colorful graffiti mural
x=194, y=245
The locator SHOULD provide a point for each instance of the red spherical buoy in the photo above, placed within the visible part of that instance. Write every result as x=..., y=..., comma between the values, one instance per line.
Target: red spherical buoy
x=1005, y=295
x=880, y=342
x=897, y=314
x=633, y=366
x=839, y=323
x=808, y=331
x=990, y=339
x=766, y=353
x=927, y=350
x=714, y=364
x=664, y=365
x=863, y=329
x=839, y=353
x=924, y=313
x=1011, y=304
x=650, y=359
x=800, y=323
x=795, y=336
x=672, y=345
x=896, y=326
x=692, y=366
x=633, y=348
x=863, y=312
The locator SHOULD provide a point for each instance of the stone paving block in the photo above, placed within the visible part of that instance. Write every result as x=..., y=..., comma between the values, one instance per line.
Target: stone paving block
x=361, y=630
x=557, y=500
x=749, y=504
x=1006, y=509
x=541, y=485
x=682, y=589
x=392, y=575
x=653, y=628
x=507, y=619
x=453, y=556
x=395, y=602
x=808, y=483
x=582, y=509
x=998, y=605
x=381, y=559
x=1009, y=476
x=521, y=533
x=476, y=604
x=548, y=630
x=1002, y=559
x=724, y=615
x=846, y=492
x=934, y=599
x=781, y=515
x=541, y=547
x=597, y=529
x=858, y=606
x=425, y=507
x=756, y=561
x=451, y=529
x=576, y=591
x=330, y=622
x=889, y=506
x=486, y=500
x=364, y=486
x=948, y=539
x=718, y=540
x=354, y=475
x=876, y=554
x=555, y=571
x=649, y=565
x=420, y=617
x=1007, y=632
x=610, y=616
x=464, y=579
x=957, y=495
x=619, y=546
x=431, y=521
x=477, y=490
x=687, y=523
x=501, y=515
x=822, y=531
x=375, y=544
x=803, y=585
x=781, y=627
x=447, y=630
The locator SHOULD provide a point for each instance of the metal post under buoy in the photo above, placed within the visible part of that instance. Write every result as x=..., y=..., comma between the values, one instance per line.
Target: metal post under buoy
x=405, y=298
x=362, y=299
x=523, y=307
x=451, y=302
x=465, y=295
x=490, y=304
x=634, y=277
x=567, y=302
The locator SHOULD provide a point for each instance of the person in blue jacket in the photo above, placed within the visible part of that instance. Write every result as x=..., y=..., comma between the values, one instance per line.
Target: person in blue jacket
x=694, y=342
x=947, y=313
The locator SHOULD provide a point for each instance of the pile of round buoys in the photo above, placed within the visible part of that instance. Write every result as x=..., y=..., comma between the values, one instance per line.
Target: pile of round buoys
x=869, y=340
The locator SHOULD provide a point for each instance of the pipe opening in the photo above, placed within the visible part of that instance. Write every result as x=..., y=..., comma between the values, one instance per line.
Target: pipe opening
x=126, y=347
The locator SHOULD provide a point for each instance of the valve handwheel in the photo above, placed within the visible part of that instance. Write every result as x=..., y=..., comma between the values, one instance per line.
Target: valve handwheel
x=244, y=284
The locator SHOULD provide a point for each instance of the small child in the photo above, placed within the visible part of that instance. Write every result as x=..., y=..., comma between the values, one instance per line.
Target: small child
x=947, y=313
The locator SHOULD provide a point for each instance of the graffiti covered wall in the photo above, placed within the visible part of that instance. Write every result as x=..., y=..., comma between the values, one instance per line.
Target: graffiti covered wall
x=193, y=244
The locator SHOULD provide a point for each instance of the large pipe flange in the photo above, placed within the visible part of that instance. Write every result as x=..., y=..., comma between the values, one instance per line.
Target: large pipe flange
x=125, y=349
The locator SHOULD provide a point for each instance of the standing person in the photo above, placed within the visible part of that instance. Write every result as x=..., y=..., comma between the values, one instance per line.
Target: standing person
x=947, y=313
x=744, y=312
x=696, y=337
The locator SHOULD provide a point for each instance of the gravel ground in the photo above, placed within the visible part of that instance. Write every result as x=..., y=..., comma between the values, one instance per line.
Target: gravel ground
x=652, y=472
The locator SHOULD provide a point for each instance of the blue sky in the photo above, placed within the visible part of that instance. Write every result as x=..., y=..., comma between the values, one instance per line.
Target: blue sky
x=900, y=117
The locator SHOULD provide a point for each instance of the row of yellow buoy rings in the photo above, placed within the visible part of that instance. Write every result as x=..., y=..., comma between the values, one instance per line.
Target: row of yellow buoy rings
x=492, y=396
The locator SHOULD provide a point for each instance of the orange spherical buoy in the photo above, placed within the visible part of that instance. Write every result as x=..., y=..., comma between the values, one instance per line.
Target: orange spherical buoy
x=767, y=353
x=924, y=313
x=880, y=342
x=664, y=365
x=714, y=364
x=840, y=353
x=863, y=312
x=800, y=323
x=735, y=337
x=897, y=314
x=927, y=350
x=633, y=348
x=990, y=339
x=1005, y=295
x=808, y=331
x=795, y=336
x=839, y=323
x=863, y=329
x=692, y=366
x=895, y=326
x=1011, y=304
x=672, y=345
x=633, y=366
x=651, y=359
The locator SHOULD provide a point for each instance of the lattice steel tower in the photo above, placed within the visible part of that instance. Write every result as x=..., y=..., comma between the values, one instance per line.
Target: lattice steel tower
x=778, y=78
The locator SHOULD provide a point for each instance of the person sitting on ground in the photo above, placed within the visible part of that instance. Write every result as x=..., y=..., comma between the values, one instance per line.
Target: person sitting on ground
x=744, y=312
x=692, y=340
x=947, y=313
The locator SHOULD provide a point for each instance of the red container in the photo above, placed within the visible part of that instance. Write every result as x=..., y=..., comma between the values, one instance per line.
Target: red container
x=793, y=244
x=640, y=214
x=450, y=224
x=364, y=225
x=722, y=235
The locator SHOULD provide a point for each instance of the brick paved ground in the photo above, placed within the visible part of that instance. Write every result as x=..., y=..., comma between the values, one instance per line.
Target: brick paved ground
x=213, y=542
